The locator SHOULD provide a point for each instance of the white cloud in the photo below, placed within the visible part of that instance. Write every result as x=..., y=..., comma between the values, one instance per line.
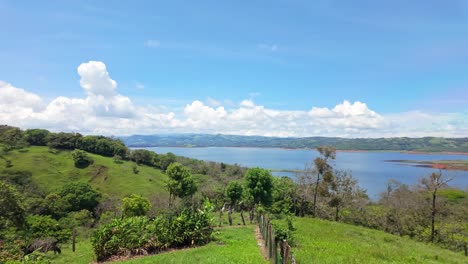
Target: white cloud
x=95, y=79
x=12, y=97
x=152, y=43
x=104, y=111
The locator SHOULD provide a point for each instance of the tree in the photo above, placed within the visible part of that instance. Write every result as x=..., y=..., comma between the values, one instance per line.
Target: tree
x=80, y=196
x=323, y=169
x=234, y=192
x=181, y=183
x=11, y=205
x=433, y=183
x=81, y=158
x=13, y=138
x=135, y=205
x=259, y=187
x=285, y=195
x=344, y=190
x=37, y=137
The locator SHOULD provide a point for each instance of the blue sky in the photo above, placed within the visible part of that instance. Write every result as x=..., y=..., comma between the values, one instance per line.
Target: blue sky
x=406, y=61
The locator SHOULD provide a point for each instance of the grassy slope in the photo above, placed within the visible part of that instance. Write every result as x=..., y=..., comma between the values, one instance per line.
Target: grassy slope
x=320, y=241
x=232, y=245
x=51, y=171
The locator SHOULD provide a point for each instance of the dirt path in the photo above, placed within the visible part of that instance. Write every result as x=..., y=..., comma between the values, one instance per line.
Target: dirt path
x=261, y=243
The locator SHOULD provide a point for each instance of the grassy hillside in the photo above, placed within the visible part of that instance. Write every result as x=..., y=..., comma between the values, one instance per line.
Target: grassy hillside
x=231, y=245
x=52, y=170
x=320, y=241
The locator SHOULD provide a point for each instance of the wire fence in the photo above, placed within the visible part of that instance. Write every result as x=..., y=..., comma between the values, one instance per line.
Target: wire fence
x=279, y=252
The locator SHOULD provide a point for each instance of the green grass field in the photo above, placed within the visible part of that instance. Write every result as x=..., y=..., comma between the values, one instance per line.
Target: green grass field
x=320, y=241
x=231, y=245
x=51, y=171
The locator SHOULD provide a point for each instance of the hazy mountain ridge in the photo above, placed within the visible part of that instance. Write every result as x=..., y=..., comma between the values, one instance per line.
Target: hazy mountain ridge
x=425, y=144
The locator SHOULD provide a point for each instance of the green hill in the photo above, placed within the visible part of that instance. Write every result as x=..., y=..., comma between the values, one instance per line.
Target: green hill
x=320, y=241
x=425, y=144
x=51, y=170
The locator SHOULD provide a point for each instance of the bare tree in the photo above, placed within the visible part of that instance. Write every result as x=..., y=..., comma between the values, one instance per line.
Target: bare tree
x=322, y=168
x=433, y=183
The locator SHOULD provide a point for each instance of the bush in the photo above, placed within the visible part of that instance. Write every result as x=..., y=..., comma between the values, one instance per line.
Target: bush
x=139, y=235
x=123, y=236
x=135, y=205
x=81, y=158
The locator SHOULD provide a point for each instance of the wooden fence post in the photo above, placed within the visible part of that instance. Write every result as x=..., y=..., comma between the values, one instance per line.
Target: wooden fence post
x=287, y=248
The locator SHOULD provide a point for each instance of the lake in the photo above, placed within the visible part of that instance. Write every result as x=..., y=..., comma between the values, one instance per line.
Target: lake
x=369, y=168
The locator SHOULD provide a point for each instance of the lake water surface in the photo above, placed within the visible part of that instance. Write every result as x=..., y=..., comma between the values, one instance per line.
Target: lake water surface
x=369, y=168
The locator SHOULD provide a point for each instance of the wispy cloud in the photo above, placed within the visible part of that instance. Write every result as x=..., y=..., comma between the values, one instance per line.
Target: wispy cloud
x=152, y=43
x=268, y=47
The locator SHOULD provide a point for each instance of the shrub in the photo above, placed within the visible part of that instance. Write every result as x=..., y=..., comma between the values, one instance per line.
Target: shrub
x=139, y=235
x=81, y=158
x=135, y=205
x=123, y=236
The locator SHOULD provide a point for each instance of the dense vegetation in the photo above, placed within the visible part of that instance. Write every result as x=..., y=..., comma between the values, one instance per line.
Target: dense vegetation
x=427, y=144
x=55, y=189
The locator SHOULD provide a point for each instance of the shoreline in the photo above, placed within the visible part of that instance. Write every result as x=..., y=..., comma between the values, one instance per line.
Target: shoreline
x=338, y=150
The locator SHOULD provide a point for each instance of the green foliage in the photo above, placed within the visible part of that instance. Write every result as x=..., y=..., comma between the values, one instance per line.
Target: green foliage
x=139, y=235
x=284, y=196
x=259, y=184
x=37, y=137
x=11, y=206
x=81, y=158
x=80, y=196
x=181, y=182
x=12, y=138
x=121, y=237
x=284, y=229
x=235, y=245
x=44, y=226
x=135, y=205
x=234, y=191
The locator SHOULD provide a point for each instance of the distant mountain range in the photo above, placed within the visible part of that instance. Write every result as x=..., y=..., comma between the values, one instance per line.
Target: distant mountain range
x=426, y=144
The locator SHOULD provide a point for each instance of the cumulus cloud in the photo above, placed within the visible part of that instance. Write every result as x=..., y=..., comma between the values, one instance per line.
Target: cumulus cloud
x=95, y=79
x=12, y=97
x=103, y=110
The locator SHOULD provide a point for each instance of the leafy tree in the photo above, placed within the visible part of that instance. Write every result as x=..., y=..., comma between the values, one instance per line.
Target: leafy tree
x=259, y=187
x=37, y=137
x=11, y=205
x=180, y=183
x=64, y=140
x=80, y=196
x=135, y=205
x=142, y=156
x=13, y=138
x=56, y=205
x=234, y=193
x=285, y=195
x=81, y=158
x=259, y=184
x=166, y=160
x=43, y=226
x=323, y=169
